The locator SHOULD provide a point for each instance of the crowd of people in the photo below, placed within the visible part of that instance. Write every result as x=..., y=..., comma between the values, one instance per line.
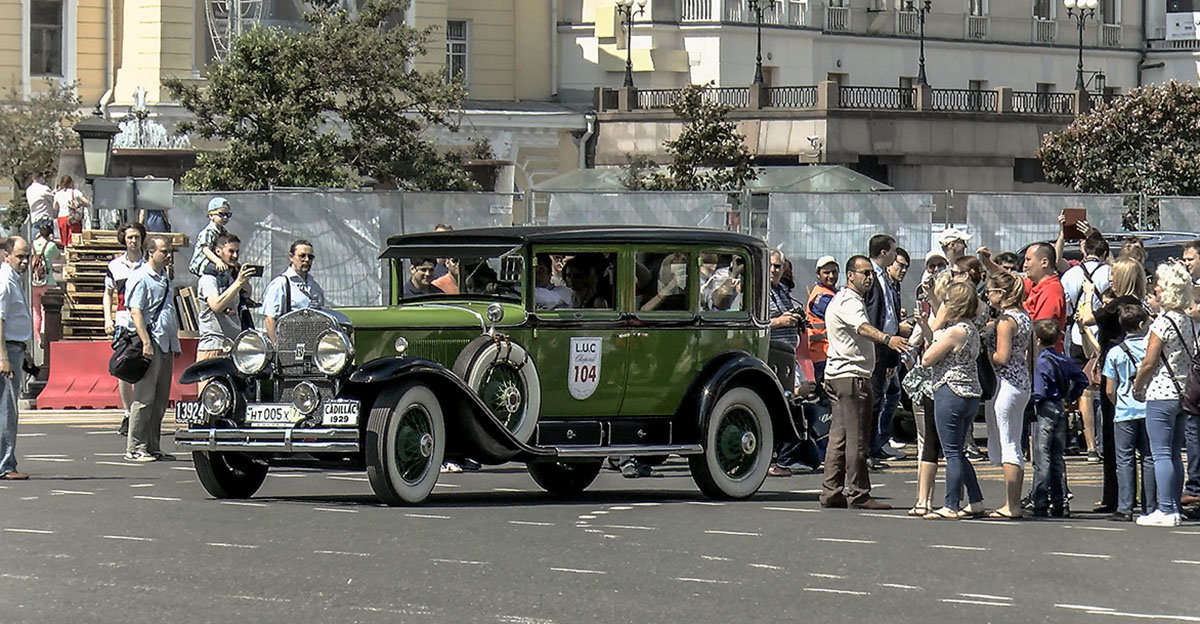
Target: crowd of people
x=1029, y=341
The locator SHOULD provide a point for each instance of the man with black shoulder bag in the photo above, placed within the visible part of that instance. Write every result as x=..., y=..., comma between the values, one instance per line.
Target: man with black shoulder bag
x=150, y=302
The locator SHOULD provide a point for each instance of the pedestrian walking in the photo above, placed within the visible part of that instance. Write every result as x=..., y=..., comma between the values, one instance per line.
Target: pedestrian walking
x=952, y=356
x=45, y=255
x=848, y=371
x=71, y=208
x=1057, y=380
x=785, y=323
x=40, y=199
x=1094, y=270
x=16, y=327
x=883, y=310
x=293, y=289
x=819, y=297
x=224, y=295
x=1008, y=346
x=204, y=256
x=1160, y=378
x=116, y=314
x=152, y=308
x=1132, y=442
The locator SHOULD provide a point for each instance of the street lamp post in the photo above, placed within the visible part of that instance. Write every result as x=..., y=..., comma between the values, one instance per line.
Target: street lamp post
x=95, y=140
x=625, y=9
x=922, y=10
x=758, y=6
x=1086, y=9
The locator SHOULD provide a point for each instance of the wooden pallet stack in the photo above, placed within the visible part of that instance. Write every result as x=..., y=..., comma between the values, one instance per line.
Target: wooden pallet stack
x=86, y=263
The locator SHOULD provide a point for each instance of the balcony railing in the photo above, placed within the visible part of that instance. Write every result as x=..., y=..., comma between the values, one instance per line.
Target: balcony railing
x=965, y=100
x=1043, y=103
x=735, y=97
x=1044, y=30
x=837, y=19
x=907, y=22
x=651, y=99
x=792, y=97
x=696, y=11
x=739, y=11
x=877, y=98
x=1110, y=35
x=977, y=27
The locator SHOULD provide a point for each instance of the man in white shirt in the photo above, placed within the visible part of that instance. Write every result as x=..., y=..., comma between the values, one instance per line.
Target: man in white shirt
x=294, y=288
x=848, y=369
x=40, y=198
x=222, y=297
x=16, y=327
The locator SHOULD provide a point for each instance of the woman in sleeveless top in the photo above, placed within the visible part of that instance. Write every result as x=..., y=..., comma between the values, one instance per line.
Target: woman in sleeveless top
x=952, y=357
x=1008, y=346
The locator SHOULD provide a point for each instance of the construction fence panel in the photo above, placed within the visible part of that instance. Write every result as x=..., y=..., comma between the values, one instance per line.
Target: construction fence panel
x=807, y=226
x=1008, y=222
x=1178, y=214
x=708, y=210
x=423, y=211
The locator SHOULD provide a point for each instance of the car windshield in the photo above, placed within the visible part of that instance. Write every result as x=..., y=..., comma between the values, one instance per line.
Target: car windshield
x=500, y=277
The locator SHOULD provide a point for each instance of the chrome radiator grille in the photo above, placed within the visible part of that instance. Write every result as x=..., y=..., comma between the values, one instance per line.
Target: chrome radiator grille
x=296, y=336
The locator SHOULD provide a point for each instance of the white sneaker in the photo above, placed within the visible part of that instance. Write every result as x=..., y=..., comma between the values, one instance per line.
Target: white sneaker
x=1157, y=518
x=1178, y=517
x=451, y=468
x=896, y=444
x=140, y=457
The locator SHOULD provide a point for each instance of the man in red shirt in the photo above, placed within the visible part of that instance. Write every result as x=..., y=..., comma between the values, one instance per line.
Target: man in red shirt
x=1046, y=299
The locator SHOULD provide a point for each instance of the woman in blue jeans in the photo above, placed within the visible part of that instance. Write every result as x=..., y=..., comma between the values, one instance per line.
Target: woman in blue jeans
x=952, y=358
x=1160, y=378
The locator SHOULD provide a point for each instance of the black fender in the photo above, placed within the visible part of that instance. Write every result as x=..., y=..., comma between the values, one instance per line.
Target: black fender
x=729, y=369
x=472, y=430
x=210, y=368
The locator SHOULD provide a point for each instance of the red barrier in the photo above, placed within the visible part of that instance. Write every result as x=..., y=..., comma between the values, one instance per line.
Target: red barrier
x=79, y=376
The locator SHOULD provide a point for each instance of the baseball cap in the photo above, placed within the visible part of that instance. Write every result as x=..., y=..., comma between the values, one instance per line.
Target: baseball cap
x=824, y=260
x=950, y=235
x=934, y=254
x=217, y=203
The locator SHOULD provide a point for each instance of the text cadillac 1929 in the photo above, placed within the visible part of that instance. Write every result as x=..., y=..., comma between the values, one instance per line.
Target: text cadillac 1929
x=655, y=345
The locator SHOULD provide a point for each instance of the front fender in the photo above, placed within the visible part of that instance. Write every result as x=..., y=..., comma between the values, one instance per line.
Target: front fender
x=208, y=369
x=729, y=369
x=473, y=431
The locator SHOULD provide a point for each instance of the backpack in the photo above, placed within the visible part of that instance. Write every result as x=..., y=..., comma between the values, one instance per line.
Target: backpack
x=38, y=267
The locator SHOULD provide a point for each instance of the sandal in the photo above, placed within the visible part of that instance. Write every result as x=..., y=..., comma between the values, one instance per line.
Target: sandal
x=999, y=515
x=919, y=510
x=943, y=513
x=967, y=512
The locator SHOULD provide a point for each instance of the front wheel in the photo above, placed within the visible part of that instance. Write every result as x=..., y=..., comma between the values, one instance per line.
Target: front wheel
x=406, y=441
x=738, y=441
x=564, y=478
x=229, y=475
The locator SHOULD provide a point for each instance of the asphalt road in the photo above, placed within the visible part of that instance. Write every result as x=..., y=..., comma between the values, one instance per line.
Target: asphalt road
x=92, y=538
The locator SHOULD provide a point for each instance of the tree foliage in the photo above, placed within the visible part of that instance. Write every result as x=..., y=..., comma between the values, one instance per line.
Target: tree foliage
x=33, y=131
x=1145, y=142
x=709, y=154
x=324, y=107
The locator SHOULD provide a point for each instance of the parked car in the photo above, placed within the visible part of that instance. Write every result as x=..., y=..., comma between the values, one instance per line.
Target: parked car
x=1160, y=246
x=655, y=345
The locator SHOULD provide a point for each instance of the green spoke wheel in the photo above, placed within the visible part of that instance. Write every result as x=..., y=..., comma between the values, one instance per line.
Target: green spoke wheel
x=505, y=378
x=503, y=391
x=414, y=443
x=738, y=441
x=405, y=444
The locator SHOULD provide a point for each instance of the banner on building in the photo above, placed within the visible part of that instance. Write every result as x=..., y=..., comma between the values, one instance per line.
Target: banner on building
x=1182, y=19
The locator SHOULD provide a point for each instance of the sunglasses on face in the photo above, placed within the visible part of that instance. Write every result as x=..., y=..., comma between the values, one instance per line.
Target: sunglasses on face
x=225, y=214
x=304, y=256
x=776, y=266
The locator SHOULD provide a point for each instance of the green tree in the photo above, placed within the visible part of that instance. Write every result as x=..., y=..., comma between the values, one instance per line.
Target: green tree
x=709, y=155
x=1146, y=142
x=324, y=107
x=33, y=132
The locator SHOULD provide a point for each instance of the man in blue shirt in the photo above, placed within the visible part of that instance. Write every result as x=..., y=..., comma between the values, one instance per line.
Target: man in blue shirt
x=150, y=300
x=294, y=288
x=16, y=326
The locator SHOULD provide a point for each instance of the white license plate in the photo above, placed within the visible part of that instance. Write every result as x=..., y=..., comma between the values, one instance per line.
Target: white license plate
x=189, y=413
x=339, y=413
x=272, y=415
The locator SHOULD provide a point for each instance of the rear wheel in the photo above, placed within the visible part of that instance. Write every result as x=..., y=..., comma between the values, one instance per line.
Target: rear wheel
x=406, y=442
x=564, y=477
x=738, y=441
x=229, y=475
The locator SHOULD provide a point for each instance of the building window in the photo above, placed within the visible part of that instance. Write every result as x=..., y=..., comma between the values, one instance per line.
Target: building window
x=907, y=82
x=1028, y=171
x=977, y=8
x=1110, y=12
x=1043, y=9
x=839, y=77
x=456, y=50
x=45, y=37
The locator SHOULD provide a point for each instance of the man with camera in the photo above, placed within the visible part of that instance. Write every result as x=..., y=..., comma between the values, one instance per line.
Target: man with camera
x=16, y=326
x=224, y=295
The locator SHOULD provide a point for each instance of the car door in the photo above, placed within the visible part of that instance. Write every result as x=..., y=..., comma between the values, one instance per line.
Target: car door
x=580, y=351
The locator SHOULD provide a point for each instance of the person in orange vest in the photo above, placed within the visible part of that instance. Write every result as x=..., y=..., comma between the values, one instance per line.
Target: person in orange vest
x=818, y=299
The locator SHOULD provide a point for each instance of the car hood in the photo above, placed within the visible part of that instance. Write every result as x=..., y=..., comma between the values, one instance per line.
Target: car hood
x=440, y=313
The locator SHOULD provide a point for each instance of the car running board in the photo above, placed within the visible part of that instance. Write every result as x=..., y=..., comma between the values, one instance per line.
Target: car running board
x=638, y=450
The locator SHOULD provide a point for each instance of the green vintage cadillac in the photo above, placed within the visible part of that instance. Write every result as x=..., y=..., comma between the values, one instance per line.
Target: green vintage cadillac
x=552, y=346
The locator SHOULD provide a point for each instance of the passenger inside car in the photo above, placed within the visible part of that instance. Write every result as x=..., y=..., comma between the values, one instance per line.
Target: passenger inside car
x=669, y=290
x=547, y=295
x=589, y=278
x=420, y=281
x=720, y=282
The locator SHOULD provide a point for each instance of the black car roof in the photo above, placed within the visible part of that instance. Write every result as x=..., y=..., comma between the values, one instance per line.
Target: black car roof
x=500, y=239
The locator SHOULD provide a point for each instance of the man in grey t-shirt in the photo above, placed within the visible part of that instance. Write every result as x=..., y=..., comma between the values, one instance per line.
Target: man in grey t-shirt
x=220, y=294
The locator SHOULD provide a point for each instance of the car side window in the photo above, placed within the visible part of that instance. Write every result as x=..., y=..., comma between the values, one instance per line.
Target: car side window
x=721, y=282
x=589, y=281
x=662, y=282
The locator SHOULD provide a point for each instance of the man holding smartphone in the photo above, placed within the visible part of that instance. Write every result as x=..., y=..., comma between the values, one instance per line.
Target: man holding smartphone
x=222, y=295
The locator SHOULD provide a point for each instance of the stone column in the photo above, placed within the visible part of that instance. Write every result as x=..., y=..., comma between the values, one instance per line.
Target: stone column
x=1004, y=100
x=827, y=95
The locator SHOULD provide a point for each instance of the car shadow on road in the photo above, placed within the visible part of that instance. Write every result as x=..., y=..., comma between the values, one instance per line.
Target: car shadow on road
x=534, y=498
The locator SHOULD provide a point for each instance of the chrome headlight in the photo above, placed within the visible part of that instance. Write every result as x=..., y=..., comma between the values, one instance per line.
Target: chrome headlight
x=305, y=398
x=251, y=352
x=215, y=398
x=334, y=352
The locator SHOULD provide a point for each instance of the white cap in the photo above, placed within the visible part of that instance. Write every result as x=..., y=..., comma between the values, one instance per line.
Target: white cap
x=934, y=254
x=824, y=260
x=950, y=235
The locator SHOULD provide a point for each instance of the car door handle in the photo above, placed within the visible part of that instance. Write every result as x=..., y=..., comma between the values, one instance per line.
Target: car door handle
x=636, y=334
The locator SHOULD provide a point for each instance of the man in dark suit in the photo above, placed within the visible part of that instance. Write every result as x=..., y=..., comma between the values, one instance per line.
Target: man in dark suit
x=883, y=311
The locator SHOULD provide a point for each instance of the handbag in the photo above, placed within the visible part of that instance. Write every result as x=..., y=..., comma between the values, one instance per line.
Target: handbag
x=987, y=375
x=918, y=383
x=1189, y=392
x=127, y=362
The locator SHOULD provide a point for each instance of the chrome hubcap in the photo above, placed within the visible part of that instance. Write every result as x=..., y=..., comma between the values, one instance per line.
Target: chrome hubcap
x=749, y=443
x=426, y=445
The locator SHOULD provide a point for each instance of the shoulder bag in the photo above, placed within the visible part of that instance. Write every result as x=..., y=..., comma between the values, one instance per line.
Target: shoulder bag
x=127, y=362
x=1189, y=392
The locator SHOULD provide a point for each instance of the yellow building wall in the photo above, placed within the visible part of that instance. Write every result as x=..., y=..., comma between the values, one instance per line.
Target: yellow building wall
x=532, y=50
x=156, y=44
x=10, y=43
x=90, y=42
x=431, y=13
x=490, y=48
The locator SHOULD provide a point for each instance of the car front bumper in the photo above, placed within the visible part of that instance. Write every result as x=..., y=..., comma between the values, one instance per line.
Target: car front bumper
x=269, y=440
